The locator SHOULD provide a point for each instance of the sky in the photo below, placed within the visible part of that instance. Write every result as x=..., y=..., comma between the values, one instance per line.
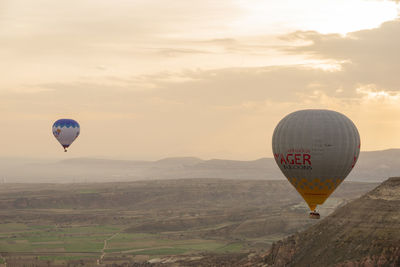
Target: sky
x=148, y=79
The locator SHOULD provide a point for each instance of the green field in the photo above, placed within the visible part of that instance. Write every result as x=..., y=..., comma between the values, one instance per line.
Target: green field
x=26, y=238
x=42, y=238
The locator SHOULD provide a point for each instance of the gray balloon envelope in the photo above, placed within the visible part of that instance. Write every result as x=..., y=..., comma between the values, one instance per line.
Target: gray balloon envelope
x=316, y=149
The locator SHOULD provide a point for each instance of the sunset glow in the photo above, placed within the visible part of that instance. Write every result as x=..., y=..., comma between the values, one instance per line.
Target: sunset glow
x=151, y=79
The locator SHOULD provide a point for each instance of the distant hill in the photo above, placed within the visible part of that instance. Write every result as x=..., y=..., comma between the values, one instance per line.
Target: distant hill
x=374, y=166
x=365, y=232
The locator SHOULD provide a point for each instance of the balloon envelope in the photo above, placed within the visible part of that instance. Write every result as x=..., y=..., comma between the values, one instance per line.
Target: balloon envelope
x=315, y=150
x=66, y=131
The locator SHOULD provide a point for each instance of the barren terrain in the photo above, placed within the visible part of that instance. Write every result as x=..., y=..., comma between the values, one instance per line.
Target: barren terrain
x=152, y=222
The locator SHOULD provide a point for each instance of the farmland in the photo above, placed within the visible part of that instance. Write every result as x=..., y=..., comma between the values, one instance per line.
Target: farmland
x=153, y=222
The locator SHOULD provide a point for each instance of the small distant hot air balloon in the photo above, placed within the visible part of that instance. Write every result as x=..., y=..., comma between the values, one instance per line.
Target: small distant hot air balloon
x=66, y=131
x=316, y=150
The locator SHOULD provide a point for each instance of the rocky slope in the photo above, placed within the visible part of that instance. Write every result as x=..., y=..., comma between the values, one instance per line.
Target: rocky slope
x=365, y=232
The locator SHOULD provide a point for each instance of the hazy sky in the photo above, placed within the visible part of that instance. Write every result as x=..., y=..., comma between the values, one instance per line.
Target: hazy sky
x=148, y=79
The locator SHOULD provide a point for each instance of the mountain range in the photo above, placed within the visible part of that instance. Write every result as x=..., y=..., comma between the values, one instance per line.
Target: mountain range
x=373, y=166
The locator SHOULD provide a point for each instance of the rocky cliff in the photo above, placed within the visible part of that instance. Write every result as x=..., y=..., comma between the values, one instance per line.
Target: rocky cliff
x=365, y=232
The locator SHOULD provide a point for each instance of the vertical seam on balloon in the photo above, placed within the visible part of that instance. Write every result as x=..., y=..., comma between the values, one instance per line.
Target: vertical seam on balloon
x=348, y=156
x=339, y=136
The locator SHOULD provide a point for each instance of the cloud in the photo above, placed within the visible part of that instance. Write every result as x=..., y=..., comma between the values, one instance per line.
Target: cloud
x=367, y=57
x=371, y=55
x=88, y=24
x=83, y=66
x=233, y=86
x=174, y=52
x=199, y=112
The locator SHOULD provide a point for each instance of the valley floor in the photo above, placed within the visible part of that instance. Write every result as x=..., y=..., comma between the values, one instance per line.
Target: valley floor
x=154, y=222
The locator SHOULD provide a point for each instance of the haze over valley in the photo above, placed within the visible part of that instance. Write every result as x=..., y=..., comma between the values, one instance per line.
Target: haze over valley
x=373, y=166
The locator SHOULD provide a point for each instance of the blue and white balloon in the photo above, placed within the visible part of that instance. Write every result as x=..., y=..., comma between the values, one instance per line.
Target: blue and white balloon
x=66, y=131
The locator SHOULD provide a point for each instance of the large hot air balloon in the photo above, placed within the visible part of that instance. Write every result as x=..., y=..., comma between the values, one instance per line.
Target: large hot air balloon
x=66, y=131
x=315, y=149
